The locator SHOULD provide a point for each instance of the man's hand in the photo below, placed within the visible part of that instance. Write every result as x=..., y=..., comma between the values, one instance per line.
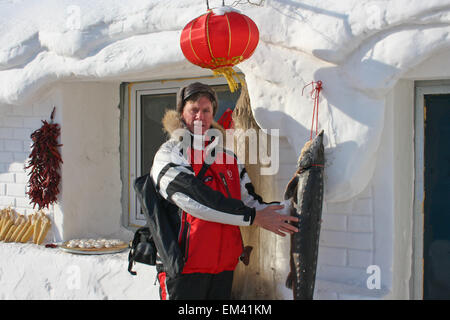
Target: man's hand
x=271, y=220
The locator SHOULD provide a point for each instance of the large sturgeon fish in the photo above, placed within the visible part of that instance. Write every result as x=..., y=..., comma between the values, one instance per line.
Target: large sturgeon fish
x=305, y=190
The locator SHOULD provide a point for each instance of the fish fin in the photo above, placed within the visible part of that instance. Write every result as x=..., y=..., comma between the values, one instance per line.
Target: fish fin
x=289, y=280
x=291, y=188
x=245, y=257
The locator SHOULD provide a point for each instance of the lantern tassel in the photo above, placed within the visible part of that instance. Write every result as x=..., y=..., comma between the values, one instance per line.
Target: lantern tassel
x=229, y=73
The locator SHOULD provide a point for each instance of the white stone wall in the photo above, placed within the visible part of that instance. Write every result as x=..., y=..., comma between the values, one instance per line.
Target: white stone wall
x=347, y=241
x=89, y=202
x=346, y=247
x=90, y=191
x=16, y=125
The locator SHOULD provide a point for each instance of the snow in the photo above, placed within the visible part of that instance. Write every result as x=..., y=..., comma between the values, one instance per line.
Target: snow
x=34, y=272
x=220, y=11
x=359, y=49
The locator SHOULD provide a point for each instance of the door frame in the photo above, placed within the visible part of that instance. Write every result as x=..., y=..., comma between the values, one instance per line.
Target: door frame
x=422, y=88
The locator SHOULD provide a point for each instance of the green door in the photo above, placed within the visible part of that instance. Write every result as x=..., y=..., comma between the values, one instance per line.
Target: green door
x=437, y=197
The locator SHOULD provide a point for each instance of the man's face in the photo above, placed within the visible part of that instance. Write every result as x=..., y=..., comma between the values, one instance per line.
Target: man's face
x=198, y=115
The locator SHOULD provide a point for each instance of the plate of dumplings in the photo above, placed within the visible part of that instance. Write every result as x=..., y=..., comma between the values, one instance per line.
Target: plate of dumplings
x=94, y=246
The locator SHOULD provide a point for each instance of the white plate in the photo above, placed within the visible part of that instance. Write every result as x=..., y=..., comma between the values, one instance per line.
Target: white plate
x=92, y=252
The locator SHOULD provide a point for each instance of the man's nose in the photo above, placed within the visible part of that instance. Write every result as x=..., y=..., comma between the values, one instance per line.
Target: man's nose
x=199, y=115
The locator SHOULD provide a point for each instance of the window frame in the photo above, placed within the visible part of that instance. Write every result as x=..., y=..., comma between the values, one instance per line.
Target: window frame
x=131, y=137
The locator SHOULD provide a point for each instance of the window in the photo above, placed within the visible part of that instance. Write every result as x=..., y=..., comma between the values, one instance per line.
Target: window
x=142, y=107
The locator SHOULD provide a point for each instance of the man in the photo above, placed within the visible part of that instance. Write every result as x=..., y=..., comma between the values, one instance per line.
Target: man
x=215, y=195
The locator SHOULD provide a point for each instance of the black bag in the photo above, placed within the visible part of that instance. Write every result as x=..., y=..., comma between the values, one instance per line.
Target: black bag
x=160, y=235
x=143, y=249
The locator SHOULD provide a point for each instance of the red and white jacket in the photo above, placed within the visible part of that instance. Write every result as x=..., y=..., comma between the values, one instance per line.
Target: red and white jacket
x=212, y=208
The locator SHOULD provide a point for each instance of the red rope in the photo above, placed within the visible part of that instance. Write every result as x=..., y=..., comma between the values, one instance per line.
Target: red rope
x=315, y=95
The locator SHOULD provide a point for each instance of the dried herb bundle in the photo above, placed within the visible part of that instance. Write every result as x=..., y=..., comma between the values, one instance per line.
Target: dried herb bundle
x=44, y=163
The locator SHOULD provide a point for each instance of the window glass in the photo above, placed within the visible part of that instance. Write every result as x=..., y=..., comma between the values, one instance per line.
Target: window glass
x=153, y=108
x=227, y=99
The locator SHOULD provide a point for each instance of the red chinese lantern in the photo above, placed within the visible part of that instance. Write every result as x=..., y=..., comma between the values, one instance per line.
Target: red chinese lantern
x=220, y=41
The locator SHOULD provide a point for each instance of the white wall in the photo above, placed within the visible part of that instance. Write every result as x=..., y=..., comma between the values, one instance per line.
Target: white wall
x=16, y=125
x=401, y=102
x=91, y=185
x=375, y=227
x=89, y=204
x=348, y=240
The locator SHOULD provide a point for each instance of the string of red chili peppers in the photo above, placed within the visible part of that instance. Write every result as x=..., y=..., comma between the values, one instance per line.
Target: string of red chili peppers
x=44, y=162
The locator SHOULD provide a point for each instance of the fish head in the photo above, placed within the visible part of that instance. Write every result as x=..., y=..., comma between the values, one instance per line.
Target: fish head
x=312, y=153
